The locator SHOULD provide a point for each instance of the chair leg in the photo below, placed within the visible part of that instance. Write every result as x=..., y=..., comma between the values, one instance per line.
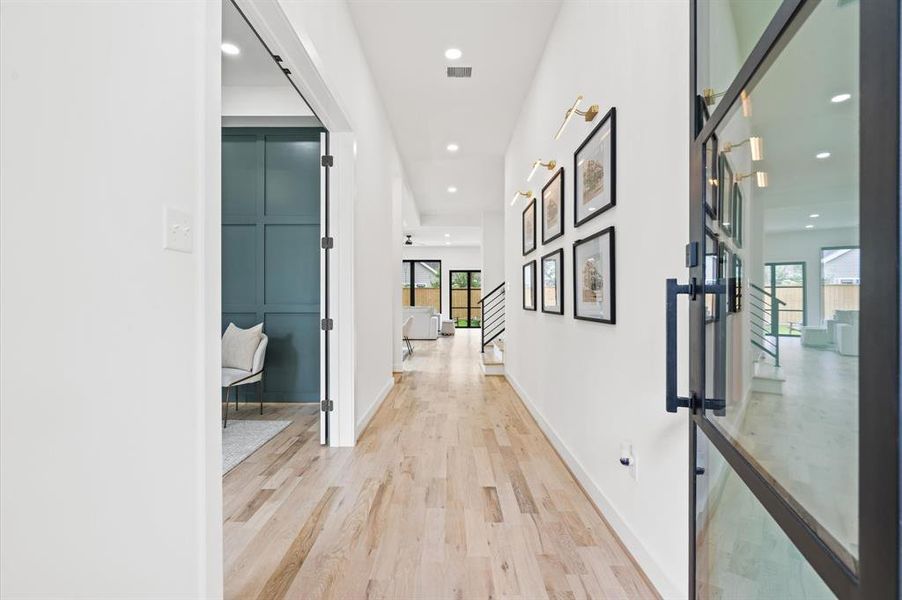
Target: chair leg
x=260, y=394
x=225, y=419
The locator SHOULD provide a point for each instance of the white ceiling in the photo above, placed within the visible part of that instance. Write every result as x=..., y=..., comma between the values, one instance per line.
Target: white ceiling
x=404, y=43
x=254, y=65
x=430, y=235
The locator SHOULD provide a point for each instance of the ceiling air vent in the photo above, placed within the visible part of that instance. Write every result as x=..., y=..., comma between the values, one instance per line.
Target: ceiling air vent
x=460, y=71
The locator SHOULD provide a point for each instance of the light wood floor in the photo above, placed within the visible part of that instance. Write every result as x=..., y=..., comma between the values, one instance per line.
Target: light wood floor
x=451, y=492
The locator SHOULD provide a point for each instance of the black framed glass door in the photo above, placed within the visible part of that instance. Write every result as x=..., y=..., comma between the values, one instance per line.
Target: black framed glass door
x=794, y=483
x=466, y=287
x=784, y=298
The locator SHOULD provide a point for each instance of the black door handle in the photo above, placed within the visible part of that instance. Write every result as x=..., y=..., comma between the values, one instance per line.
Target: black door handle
x=673, y=290
x=674, y=401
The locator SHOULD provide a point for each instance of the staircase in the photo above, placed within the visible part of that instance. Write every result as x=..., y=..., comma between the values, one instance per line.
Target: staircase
x=492, y=344
x=764, y=309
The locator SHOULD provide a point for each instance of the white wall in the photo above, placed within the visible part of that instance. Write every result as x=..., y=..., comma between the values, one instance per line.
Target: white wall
x=109, y=408
x=594, y=385
x=454, y=258
x=805, y=246
x=492, y=249
x=330, y=39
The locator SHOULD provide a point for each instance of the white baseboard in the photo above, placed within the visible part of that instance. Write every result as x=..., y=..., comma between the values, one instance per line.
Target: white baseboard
x=365, y=419
x=665, y=587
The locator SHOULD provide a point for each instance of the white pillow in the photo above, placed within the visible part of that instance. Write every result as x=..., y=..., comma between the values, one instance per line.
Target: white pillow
x=239, y=346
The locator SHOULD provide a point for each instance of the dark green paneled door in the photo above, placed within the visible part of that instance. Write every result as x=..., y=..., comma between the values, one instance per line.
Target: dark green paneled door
x=271, y=251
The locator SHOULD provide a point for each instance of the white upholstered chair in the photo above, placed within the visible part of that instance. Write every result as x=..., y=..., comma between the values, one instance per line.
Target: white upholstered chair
x=233, y=378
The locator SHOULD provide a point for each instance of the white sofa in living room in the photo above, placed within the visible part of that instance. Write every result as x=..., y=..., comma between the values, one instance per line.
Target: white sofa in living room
x=426, y=321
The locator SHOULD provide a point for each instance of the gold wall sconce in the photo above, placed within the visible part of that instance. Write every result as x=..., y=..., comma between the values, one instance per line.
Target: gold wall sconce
x=760, y=178
x=589, y=114
x=710, y=97
x=527, y=194
x=756, y=147
x=550, y=165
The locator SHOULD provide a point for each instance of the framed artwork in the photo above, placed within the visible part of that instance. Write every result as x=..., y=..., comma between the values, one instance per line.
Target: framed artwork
x=594, y=172
x=737, y=215
x=725, y=196
x=712, y=180
x=529, y=285
x=735, y=287
x=712, y=273
x=553, y=207
x=552, y=277
x=529, y=227
x=593, y=277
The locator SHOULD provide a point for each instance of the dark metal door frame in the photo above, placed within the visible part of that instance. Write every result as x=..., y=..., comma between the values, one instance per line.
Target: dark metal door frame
x=470, y=306
x=879, y=133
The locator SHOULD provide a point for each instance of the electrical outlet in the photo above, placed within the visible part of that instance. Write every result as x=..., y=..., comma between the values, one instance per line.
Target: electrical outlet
x=178, y=230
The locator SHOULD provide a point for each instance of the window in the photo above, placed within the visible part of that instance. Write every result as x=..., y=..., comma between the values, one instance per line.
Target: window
x=786, y=283
x=466, y=287
x=421, y=283
x=840, y=279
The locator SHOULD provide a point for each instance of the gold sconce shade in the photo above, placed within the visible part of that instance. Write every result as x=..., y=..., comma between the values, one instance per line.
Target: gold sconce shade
x=550, y=165
x=527, y=194
x=710, y=97
x=588, y=114
x=760, y=178
x=756, y=147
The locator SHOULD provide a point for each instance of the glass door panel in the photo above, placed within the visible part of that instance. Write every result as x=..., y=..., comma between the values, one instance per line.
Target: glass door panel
x=466, y=290
x=741, y=552
x=786, y=186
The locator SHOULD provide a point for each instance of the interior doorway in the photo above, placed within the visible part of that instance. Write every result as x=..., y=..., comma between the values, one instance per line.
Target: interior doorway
x=465, y=290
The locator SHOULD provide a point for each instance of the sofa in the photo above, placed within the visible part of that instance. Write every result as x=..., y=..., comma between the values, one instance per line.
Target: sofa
x=425, y=324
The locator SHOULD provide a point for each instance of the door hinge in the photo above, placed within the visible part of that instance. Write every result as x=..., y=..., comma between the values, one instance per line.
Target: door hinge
x=326, y=324
x=327, y=243
x=326, y=405
x=328, y=160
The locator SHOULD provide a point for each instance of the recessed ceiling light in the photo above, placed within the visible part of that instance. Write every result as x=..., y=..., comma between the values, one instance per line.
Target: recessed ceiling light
x=451, y=189
x=453, y=53
x=447, y=235
x=452, y=147
x=822, y=155
x=809, y=226
x=229, y=48
x=840, y=98
x=447, y=243
x=814, y=215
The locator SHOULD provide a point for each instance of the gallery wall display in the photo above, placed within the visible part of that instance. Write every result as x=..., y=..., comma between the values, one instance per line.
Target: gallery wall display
x=529, y=285
x=529, y=227
x=594, y=277
x=553, y=207
x=552, y=278
x=594, y=171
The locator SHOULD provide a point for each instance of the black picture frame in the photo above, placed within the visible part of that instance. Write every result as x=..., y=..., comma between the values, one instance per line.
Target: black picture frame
x=612, y=279
x=735, y=288
x=712, y=176
x=556, y=180
x=725, y=195
x=557, y=255
x=530, y=208
x=713, y=272
x=737, y=223
x=531, y=266
x=609, y=119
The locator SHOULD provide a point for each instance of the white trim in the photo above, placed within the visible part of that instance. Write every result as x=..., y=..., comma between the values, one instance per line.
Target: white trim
x=666, y=588
x=365, y=419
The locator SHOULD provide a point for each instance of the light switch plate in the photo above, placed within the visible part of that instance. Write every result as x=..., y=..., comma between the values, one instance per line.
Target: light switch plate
x=178, y=233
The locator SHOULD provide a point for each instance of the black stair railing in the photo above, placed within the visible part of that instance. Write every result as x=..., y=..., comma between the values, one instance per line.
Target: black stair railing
x=492, y=315
x=765, y=322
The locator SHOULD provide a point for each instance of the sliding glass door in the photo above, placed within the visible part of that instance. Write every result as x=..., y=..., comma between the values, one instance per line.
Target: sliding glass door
x=794, y=483
x=466, y=287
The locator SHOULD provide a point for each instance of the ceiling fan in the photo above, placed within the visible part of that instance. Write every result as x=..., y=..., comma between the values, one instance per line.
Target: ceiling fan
x=409, y=241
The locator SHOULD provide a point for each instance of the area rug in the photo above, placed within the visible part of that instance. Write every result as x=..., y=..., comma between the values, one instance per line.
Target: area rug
x=242, y=438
